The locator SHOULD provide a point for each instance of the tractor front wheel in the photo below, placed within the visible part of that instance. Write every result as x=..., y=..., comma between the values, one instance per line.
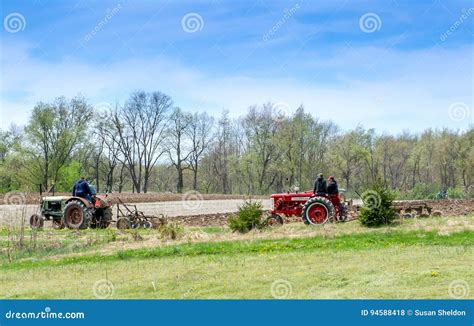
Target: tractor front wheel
x=274, y=220
x=317, y=210
x=77, y=215
x=36, y=221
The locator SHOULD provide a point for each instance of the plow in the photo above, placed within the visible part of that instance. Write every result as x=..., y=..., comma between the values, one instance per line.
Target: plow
x=128, y=216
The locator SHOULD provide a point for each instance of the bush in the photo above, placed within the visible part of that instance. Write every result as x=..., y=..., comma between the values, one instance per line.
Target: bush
x=248, y=217
x=171, y=231
x=377, y=209
x=423, y=191
x=456, y=193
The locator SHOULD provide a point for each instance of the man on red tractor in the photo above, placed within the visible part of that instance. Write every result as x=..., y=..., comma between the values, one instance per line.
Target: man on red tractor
x=320, y=187
x=332, y=186
x=333, y=191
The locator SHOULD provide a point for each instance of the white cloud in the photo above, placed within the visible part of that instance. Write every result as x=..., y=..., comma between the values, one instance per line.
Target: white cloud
x=408, y=90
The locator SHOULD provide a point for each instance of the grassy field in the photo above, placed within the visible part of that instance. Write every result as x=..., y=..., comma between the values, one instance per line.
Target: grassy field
x=417, y=258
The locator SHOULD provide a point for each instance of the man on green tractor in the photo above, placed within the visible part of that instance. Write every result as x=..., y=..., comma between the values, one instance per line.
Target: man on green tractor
x=81, y=189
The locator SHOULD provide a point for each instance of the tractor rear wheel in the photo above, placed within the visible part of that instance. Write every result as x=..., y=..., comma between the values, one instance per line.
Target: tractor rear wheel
x=36, y=221
x=317, y=210
x=77, y=215
x=103, y=218
x=107, y=217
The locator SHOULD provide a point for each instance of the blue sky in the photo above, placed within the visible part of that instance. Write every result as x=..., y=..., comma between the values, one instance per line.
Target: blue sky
x=389, y=65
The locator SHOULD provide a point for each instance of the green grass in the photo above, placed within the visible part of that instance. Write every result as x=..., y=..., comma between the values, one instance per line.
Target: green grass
x=346, y=242
x=415, y=259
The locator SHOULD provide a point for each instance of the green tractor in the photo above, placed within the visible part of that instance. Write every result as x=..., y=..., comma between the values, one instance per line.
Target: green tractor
x=74, y=212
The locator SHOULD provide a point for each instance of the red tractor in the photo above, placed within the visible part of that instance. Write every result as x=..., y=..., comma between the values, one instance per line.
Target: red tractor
x=314, y=209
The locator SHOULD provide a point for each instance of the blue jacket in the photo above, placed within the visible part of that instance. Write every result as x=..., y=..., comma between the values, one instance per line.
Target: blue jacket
x=81, y=187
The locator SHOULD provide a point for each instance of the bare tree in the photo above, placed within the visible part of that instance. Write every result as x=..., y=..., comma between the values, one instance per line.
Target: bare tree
x=200, y=135
x=107, y=137
x=177, y=149
x=140, y=126
x=222, y=151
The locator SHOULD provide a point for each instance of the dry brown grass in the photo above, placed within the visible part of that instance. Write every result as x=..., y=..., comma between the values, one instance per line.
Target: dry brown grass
x=34, y=197
x=111, y=240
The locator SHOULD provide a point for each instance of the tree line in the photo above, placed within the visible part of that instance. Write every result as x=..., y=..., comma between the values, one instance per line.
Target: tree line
x=149, y=144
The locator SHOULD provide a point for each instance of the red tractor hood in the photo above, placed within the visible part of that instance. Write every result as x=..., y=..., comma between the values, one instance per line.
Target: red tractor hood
x=303, y=194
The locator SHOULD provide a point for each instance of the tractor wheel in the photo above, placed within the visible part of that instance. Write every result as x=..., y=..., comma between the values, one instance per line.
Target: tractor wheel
x=274, y=220
x=58, y=224
x=105, y=219
x=344, y=213
x=123, y=223
x=317, y=210
x=36, y=221
x=77, y=215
